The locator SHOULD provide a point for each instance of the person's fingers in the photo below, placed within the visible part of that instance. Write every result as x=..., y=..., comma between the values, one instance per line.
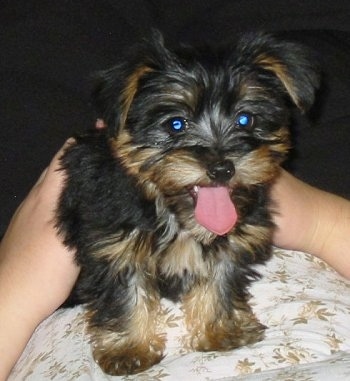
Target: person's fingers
x=100, y=124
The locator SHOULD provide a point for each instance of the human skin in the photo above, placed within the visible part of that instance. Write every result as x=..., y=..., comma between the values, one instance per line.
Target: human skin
x=37, y=272
x=313, y=221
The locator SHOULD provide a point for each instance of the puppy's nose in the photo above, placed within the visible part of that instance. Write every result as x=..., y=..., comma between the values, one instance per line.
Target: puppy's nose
x=221, y=171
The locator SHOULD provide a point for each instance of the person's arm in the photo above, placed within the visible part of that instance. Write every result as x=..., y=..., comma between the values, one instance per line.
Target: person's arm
x=37, y=272
x=312, y=221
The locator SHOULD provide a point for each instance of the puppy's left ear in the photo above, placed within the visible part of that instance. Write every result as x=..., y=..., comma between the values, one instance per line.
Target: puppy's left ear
x=293, y=64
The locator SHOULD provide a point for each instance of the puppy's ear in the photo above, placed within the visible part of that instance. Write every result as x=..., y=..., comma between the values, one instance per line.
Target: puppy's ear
x=114, y=92
x=293, y=64
x=115, y=88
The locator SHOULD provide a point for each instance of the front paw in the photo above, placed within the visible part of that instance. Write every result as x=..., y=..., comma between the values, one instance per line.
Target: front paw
x=227, y=334
x=126, y=359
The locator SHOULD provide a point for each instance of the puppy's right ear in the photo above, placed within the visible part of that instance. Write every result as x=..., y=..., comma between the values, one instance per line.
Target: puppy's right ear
x=113, y=94
x=116, y=87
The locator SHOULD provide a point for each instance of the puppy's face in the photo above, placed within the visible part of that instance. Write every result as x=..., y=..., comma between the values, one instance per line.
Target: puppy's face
x=200, y=131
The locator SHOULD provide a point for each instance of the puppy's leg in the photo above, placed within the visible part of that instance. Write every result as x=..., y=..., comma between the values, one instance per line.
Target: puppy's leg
x=216, y=325
x=126, y=341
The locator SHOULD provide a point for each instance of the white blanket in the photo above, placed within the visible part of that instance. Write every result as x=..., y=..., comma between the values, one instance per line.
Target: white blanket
x=303, y=302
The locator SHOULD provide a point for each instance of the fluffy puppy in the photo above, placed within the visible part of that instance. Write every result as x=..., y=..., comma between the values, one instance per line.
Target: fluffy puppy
x=172, y=201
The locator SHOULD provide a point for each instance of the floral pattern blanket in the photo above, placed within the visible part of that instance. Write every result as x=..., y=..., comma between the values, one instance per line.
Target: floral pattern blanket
x=303, y=302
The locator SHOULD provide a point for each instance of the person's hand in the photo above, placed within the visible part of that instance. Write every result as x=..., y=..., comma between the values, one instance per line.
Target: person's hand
x=37, y=272
x=312, y=221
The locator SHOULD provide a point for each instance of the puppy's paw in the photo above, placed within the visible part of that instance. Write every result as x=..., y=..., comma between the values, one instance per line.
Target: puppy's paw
x=224, y=335
x=124, y=360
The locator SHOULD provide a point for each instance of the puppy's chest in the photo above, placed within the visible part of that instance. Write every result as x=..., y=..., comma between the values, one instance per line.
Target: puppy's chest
x=183, y=255
x=179, y=266
x=187, y=263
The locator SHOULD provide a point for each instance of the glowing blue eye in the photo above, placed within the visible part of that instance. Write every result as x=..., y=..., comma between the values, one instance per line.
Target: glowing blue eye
x=177, y=124
x=244, y=120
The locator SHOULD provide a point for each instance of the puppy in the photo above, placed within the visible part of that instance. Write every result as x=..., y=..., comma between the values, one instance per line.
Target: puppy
x=172, y=201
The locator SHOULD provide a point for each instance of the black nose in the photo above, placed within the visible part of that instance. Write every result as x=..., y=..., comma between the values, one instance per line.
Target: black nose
x=221, y=171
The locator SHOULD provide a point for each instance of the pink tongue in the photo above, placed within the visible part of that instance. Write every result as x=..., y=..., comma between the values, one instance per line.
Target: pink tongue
x=215, y=210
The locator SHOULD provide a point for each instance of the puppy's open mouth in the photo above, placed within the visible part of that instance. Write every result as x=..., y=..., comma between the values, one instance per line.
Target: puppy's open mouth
x=214, y=208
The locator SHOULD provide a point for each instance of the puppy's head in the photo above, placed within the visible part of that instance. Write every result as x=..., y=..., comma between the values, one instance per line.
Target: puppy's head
x=202, y=130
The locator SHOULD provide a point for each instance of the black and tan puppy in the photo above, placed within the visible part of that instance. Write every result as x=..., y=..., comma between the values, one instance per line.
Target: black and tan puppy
x=173, y=200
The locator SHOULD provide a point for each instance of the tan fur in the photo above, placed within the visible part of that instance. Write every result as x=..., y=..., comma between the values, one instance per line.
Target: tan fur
x=261, y=235
x=130, y=90
x=183, y=254
x=211, y=328
x=281, y=71
x=259, y=166
x=135, y=349
x=120, y=253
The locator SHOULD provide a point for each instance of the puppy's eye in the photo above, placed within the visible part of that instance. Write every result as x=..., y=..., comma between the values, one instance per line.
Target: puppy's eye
x=177, y=124
x=244, y=120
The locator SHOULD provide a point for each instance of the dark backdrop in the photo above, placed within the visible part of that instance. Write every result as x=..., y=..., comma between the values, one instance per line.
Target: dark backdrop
x=48, y=49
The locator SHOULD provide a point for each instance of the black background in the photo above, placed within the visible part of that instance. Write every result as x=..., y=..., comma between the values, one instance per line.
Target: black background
x=48, y=49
